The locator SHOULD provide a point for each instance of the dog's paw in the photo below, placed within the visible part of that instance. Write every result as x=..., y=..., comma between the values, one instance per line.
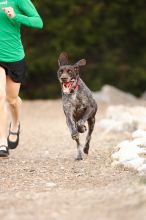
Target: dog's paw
x=81, y=127
x=79, y=156
x=86, y=150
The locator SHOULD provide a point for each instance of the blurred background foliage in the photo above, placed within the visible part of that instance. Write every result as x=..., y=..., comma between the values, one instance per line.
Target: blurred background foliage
x=110, y=34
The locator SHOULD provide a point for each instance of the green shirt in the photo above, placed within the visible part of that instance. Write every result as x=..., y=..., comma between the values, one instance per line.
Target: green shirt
x=11, y=48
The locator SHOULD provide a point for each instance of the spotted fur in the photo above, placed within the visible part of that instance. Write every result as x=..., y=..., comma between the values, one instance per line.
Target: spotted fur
x=78, y=103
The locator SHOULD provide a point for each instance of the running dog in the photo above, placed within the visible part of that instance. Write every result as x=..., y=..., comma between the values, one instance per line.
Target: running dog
x=78, y=104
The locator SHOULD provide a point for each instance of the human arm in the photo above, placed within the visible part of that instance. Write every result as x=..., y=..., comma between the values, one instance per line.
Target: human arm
x=30, y=16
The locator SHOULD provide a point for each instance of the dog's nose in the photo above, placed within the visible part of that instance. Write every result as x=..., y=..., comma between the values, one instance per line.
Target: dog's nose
x=64, y=79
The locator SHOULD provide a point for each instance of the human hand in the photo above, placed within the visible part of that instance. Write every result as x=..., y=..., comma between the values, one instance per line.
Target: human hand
x=9, y=12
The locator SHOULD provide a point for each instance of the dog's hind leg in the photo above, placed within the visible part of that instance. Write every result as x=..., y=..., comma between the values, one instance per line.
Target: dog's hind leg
x=91, y=123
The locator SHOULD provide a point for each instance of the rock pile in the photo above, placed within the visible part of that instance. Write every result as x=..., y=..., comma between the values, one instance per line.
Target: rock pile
x=124, y=118
x=132, y=153
x=112, y=95
x=125, y=113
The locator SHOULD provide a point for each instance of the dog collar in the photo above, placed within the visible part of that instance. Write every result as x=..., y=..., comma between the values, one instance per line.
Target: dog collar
x=77, y=85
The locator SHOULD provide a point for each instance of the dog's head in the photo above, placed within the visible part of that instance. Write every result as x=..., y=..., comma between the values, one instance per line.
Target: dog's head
x=68, y=75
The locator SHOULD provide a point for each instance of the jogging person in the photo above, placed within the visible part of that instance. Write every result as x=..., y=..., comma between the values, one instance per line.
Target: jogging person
x=13, y=14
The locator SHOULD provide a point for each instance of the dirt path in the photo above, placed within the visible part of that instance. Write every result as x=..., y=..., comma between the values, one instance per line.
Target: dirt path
x=41, y=180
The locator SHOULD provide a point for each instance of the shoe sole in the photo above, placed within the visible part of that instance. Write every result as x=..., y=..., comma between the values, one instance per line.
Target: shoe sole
x=4, y=154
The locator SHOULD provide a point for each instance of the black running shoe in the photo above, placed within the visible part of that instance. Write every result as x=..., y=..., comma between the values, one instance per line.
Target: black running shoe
x=13, y=144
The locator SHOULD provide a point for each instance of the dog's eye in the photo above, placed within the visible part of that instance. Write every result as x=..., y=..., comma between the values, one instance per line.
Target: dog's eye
x=76, y=68
x=69, y=71
x=60, y=71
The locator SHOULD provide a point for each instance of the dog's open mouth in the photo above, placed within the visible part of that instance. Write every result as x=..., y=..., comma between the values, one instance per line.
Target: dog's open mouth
x=67, y=86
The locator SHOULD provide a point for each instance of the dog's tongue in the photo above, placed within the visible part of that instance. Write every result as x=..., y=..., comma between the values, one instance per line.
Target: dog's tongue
x=67, y=86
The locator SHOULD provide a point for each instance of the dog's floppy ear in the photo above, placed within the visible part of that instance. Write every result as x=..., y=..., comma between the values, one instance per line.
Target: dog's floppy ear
x=81, y=62
x=63, y=59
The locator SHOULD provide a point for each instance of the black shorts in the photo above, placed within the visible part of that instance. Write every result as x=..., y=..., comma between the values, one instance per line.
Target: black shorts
x=16, y=70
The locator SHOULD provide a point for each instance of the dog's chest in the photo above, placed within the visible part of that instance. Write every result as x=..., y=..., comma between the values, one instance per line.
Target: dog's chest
x=75, y=103
x=79, y=104
x=74, y=97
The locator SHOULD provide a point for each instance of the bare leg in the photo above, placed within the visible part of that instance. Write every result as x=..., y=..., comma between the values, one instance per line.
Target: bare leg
x=14, y=102
x=3, y=113
x=91, y=123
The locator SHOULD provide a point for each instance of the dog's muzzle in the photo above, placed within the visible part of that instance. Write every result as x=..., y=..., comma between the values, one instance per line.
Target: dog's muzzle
x=70, y=87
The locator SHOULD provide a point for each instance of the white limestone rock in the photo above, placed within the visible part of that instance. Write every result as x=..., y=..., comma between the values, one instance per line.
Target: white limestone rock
x=140, y=133
x=124, y=118
x=130, y=153
x=112, y=95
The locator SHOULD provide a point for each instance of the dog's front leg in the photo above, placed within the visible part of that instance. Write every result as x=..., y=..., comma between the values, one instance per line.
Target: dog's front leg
x=81, y=122
x=71, y=125
x=75, y=136
x=79, y=149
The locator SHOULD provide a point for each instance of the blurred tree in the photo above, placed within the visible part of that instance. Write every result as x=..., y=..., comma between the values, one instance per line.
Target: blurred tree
x=109, y=34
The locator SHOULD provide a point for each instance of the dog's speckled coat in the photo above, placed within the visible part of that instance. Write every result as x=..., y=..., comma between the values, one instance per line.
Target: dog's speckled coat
x=78, y=103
